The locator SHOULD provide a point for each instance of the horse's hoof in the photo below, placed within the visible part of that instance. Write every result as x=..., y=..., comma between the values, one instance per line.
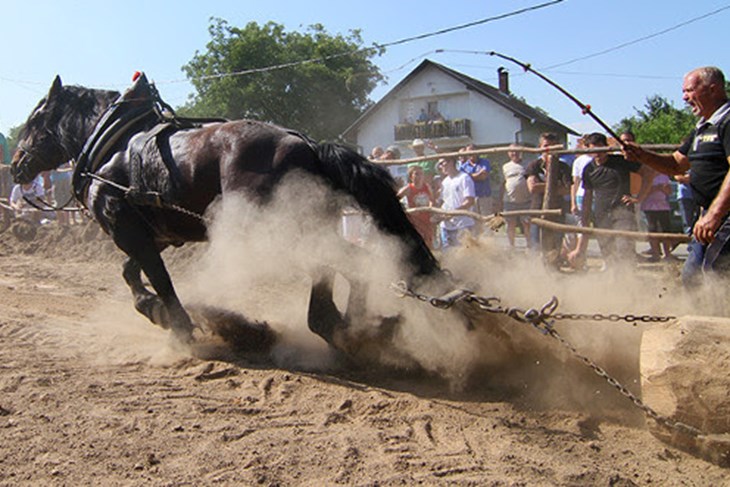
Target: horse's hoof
x=183, y=336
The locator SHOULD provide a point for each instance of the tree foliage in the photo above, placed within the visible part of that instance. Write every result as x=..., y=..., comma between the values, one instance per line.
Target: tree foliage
x=13, y=137
x=319, y=98
x=658, y=123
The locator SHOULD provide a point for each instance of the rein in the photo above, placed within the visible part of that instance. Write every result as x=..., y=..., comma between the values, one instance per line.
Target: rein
x=48, y=206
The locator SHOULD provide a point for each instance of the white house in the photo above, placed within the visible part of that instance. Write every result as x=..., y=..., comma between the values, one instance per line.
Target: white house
x=471, y=111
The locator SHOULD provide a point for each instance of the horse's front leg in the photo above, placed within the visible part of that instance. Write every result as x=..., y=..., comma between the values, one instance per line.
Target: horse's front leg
x=164, y=309
x=177, y=318
x=323, y=317
x=147, y=303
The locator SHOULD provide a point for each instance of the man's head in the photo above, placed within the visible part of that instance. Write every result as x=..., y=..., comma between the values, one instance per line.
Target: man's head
x=597, y=139
x=377, y=152
x=704, y=90
x=448, y=166
x=418, y=146
x=627, y=136
x=513, y=154
x=548, y=138
x=391, y=153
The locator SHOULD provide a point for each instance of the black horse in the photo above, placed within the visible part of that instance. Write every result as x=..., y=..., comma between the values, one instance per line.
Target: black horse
x=148, y=176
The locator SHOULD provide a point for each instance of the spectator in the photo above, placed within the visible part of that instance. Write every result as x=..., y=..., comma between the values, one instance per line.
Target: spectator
x=686, y=201
x=457, y=192
x=29, y=191
x=515, y=196
x=479, y=169
x=658, y=212
x=392, y=153
x=418, y=194
x=429, y=166
x=536, y=173
x=576, y=190
x=376, y=153
x=62, y=193
x=607, y=179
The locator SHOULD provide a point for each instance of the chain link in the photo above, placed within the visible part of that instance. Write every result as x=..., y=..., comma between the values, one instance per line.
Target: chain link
x=629, y=318
x=543, y=320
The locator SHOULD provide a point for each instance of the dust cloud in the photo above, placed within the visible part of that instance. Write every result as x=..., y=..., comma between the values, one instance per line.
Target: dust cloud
x=261, y=262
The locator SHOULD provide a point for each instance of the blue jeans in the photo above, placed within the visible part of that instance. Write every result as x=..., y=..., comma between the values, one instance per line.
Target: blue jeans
x=450, y=238
x=713, y=258
x=689, y=212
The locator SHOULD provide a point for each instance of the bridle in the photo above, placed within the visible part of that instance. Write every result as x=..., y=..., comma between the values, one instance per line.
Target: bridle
x=35, y=155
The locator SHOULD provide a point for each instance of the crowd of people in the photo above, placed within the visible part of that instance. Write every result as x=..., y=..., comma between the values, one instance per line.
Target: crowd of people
x=594, y=190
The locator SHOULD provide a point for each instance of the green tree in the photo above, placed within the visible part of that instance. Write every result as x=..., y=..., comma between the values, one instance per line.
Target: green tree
x=13, y=137
x=659, y=123
x=319, y=98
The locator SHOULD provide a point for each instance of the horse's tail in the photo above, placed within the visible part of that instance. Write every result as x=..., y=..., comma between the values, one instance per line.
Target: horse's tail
x=374, y=190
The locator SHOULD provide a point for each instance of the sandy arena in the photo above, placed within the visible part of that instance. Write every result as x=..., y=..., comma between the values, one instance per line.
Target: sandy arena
x=93, y=394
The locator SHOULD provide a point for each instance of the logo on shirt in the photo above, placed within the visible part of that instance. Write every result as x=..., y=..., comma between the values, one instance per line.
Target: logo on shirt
x=704, y=139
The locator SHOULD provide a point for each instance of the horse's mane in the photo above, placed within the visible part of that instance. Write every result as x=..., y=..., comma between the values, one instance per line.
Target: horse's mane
x=86, y=106
x=373, y=188
x=73, y=114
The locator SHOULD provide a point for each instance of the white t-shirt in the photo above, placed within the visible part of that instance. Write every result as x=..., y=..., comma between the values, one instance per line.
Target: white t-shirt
x=515, y=183
x=35, y=191
x=454, y=190
x=578, y=165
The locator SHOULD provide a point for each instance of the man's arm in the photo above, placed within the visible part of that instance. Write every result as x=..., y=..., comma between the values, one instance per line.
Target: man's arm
x=577, y=255
x=669, y=164
x=534, y=185
x=647, y=178
x=468, y=203
x=574, y=195
x=481, y=173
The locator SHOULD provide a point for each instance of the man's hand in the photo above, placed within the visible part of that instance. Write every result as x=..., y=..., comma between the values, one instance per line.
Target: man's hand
x=704, y=229
x=632, y=151
x=576, y=258
x=627, y=199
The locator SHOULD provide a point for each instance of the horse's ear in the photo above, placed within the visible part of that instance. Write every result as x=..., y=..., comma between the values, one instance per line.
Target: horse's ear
x=55, y=88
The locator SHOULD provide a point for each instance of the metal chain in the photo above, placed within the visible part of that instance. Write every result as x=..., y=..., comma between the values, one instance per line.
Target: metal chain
x=146, y=198
x=543, y=320
x=629, y=318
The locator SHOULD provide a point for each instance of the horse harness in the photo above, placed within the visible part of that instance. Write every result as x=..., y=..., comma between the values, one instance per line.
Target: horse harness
x=139, y=109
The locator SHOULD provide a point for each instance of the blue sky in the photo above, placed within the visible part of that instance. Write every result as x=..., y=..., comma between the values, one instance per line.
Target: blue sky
x=100, y=44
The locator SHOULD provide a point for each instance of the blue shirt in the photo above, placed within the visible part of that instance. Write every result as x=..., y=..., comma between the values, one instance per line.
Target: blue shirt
x=482, y=188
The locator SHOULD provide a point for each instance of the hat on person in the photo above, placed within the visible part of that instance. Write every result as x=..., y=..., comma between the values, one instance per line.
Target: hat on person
x=393, y=150
x=418, y=143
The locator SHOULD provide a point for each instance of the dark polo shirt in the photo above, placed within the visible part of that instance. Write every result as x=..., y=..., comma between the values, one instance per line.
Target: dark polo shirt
x=707, y=148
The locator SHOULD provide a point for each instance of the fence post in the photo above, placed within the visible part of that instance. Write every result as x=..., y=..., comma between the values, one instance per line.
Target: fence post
x=550, y=240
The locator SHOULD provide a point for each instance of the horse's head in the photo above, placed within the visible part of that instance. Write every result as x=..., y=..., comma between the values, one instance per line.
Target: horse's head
x=58, y=128
x=40, y=147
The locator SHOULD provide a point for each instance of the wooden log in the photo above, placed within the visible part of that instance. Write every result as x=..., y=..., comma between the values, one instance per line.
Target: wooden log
x=641, y=236
x=684, y=368
x=554, y=149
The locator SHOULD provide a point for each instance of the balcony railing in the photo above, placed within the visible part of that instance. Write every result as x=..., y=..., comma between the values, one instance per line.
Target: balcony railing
x=433, y=130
